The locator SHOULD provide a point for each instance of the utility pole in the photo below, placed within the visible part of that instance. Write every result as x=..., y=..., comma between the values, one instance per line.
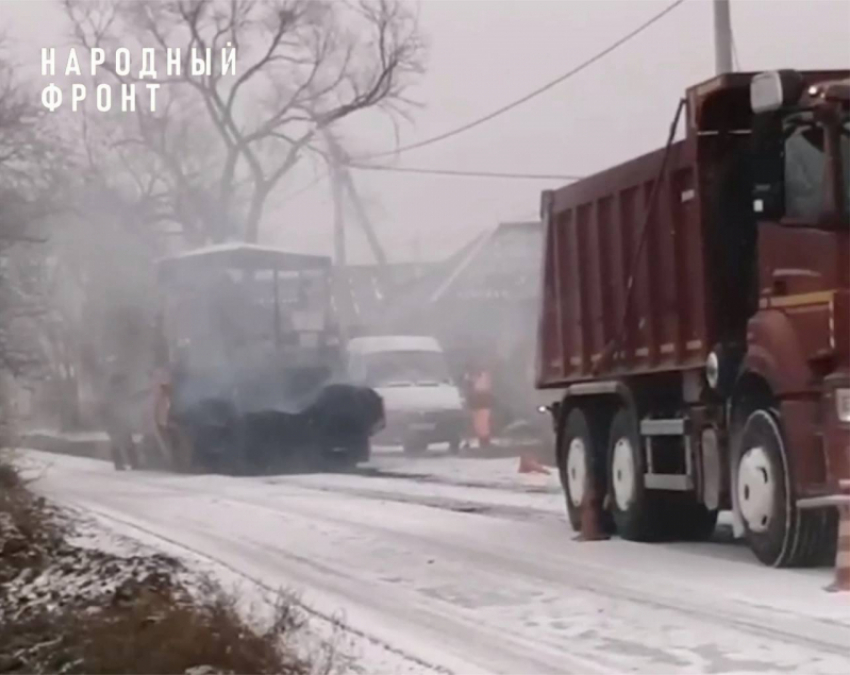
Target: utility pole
x=343, y=182
x=365, y=222
x=722, y=37
x=340, y=283
x=339, y=212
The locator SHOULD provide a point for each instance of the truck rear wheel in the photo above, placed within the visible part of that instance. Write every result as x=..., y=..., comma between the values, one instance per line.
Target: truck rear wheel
x=634, y=508
x=778, y=533
x=580, y=465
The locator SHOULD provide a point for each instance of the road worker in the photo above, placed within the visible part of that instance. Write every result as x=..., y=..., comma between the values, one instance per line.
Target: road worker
x=481, y=405
x=125, y=388
x=117, y=419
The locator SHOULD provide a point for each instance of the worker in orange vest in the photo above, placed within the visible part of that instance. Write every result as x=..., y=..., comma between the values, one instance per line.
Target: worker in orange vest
x=481, y=403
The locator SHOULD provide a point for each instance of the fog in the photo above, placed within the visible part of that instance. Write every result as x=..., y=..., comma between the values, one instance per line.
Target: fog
x=460, y=61
x=424, y=336
x=485, y=54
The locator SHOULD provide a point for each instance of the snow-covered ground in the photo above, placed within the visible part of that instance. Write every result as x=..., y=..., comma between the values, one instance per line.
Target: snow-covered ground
x=463, y=565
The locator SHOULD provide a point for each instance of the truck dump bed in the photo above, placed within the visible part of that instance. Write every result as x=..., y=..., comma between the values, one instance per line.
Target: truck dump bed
x=593, y=233
x=693, y=281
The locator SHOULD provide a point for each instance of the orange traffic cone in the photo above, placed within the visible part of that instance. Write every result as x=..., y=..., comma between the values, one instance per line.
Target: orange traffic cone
x=529, y=464
x=591, y=525
x=842, y=551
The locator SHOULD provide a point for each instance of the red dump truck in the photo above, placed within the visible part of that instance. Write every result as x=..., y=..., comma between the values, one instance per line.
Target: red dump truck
x=695, y=318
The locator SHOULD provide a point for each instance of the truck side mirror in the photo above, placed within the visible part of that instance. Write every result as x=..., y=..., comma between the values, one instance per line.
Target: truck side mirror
x=768, y=168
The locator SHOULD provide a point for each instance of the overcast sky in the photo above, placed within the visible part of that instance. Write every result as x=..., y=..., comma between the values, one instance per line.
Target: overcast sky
x=485, y=53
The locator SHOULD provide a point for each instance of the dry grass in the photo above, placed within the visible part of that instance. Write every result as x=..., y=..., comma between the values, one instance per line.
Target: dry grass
x=27, y=529
x=9, y=478
x=152, y=633
x=150, y=624
x=156, y=635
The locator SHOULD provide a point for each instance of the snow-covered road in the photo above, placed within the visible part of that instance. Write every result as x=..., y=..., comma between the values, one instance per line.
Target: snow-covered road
x=461, y=565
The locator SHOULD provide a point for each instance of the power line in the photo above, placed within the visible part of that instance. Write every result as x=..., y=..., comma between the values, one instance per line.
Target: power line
x=496, y=113
x=510, y=106
x=436, y=172
x=469, y=174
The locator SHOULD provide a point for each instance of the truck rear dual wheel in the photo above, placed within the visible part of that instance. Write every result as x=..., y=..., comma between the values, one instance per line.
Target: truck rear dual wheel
x=581, y=465
x=636, y=510
x=779, y=534
x=648, y=515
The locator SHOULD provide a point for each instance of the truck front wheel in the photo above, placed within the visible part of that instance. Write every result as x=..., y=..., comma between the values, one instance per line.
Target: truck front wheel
x=778, y=533
x=633, y=506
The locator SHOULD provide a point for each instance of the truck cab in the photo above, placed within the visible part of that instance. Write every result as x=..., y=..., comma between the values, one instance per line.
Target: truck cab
x=797, y=340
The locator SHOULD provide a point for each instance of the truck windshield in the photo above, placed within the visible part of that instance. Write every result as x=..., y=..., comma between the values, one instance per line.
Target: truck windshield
x=405, y=368
x=806, y=168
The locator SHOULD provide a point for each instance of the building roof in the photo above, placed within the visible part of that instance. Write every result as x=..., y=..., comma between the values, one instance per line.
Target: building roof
x=484, y=244
x=393, y=343
x=455, y=272
x=240, y=254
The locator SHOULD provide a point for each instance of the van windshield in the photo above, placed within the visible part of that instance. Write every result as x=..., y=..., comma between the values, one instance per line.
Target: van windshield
x=406, y=368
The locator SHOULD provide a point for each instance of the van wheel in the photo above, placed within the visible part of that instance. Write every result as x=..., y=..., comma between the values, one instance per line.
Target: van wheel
x=581, y=466
x=778, y=533
x=634, y=508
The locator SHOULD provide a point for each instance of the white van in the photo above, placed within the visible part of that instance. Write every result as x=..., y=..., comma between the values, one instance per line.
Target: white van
x=421, y=403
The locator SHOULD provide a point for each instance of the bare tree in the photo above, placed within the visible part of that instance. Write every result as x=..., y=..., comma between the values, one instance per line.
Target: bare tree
x=27, y=161
x=21, y=155
x=61, y=204
x=302, y=65
x=29, y=158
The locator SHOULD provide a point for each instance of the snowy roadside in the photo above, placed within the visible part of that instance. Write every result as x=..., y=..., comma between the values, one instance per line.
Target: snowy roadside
x=343, y=649
x=473, y=593
x=469, y=592
x=101, y=561
x=77, y=597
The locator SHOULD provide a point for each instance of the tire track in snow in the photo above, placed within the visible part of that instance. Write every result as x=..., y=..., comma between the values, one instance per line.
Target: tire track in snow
x=586, y=577
x=597, y=579
x=425, y=478
x=594, y=578
x=524, y=514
